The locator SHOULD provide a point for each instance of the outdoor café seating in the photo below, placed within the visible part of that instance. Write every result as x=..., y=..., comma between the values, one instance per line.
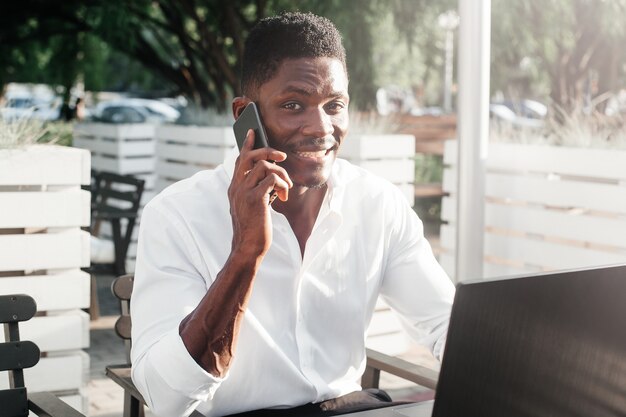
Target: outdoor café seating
x=17, y=355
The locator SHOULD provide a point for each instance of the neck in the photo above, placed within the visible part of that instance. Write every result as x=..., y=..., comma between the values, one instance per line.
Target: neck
x=301, y=210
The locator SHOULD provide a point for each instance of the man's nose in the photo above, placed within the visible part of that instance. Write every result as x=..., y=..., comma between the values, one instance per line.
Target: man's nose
x=318, y=124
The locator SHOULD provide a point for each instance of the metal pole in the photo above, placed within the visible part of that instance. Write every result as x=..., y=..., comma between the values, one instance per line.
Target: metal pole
x=448, y=21
x=447, y=81
x=473, y=133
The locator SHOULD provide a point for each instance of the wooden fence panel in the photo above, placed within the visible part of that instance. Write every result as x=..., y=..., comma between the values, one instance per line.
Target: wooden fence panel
x=391, y=157
x=545, y=208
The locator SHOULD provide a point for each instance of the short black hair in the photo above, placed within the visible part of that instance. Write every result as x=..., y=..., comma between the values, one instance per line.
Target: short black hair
x=287, y=35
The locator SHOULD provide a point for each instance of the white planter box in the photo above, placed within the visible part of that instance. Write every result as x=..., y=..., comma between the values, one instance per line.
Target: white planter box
x=119, y=148
x=126, y=149
x=31, y=252
x=44, y=165
x=184, y=150
x=56, y=373
x=58, y=290
x=389, y=156
x=64, y=331
x=38, y=209
x=42, y=249
x=546, y=208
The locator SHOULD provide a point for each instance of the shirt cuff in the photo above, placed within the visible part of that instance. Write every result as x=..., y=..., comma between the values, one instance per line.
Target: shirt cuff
x=180, y=371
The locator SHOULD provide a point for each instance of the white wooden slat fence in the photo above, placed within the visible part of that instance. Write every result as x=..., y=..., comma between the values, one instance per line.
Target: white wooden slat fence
x=546, y=208
x=42, y=210
x=389, y=156
x=183, y=151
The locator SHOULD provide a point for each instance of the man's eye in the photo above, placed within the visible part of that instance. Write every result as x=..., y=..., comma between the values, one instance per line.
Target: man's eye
x=292, y=106
x=336, y=106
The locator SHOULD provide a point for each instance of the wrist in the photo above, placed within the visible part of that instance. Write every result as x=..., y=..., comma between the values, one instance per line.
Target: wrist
x=245, y=259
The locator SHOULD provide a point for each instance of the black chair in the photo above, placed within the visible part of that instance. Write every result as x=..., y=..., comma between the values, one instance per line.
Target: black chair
x=115, y=198
x=15, y=356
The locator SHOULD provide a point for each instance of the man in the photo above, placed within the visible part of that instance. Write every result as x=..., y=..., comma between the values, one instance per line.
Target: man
x=241, y=305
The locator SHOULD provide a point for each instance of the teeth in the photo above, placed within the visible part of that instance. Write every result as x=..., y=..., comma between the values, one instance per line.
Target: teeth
x=317, y=154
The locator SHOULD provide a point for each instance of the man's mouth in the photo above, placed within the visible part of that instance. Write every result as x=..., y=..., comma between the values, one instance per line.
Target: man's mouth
x=314, y=154
x=317, y=149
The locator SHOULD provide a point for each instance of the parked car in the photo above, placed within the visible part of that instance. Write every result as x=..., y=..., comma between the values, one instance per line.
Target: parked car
x=524, y=113
x=135, y=110
x=26, y=106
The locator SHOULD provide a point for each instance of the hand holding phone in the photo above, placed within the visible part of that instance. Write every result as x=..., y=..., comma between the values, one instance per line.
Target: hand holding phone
x=250, y=119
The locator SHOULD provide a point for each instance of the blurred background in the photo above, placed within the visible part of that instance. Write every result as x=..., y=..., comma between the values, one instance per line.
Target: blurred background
x=555, y=65
x=562, y=56
x=557, y=76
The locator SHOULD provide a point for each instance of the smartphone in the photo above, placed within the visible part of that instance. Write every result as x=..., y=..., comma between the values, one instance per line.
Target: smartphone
x=250, y=119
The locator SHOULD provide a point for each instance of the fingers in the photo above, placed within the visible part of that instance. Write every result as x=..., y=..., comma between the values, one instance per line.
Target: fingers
x=270, y=177
x=271, y=183
x=255, y=169
x=248, y=143
x=248, y=156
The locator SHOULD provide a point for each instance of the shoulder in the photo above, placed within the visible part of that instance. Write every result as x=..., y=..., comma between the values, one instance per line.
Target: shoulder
x=204, y=192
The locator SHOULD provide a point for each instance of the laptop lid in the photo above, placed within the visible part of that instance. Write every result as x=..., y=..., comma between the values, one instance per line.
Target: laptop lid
x=546, y=345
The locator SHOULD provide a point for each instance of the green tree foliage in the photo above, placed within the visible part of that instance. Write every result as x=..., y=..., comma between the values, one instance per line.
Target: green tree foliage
x=192, y=47
x=569, y=50
x=563, y=49
x=32, y=49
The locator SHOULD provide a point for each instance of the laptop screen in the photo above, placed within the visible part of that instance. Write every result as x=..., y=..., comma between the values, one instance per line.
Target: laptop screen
x=547, y=345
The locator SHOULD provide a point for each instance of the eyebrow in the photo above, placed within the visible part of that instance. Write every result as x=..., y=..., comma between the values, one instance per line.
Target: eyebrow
x=297, y=90
x=309, y=92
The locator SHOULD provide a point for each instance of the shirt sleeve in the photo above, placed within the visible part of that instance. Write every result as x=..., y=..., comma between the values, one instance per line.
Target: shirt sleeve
x=166, y=289
x=414, y=284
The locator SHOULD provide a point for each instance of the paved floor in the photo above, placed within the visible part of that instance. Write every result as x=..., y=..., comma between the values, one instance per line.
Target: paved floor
x=106, y=398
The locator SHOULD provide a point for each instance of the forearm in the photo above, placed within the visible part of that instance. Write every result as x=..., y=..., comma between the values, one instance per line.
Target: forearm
x=210, y=331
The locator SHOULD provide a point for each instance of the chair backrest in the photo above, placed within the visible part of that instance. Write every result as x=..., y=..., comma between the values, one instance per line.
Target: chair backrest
x=114, y=193
x=16, y=355
x=122, y=288
x=116, y=198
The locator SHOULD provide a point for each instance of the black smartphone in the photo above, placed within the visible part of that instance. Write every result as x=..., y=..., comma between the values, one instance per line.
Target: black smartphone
x=250, y=119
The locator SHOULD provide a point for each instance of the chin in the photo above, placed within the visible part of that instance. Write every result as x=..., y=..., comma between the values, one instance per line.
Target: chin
x=312, y=176
x=312, y=181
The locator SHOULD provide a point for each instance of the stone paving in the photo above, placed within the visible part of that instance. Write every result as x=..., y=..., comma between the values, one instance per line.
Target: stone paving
x=106, y=398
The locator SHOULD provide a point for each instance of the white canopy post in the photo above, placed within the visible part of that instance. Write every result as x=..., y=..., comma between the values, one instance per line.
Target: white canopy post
x=473, y=134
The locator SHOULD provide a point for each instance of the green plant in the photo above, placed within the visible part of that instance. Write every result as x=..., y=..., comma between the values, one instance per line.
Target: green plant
x=25, y=131
x=59, y=133
x=428, y=169
x=21, y=132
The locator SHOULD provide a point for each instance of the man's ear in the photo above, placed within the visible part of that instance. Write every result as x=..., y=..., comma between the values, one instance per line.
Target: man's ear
x=239, y=103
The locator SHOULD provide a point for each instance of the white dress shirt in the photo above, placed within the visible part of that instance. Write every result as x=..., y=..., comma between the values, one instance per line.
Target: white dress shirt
x=303, y=335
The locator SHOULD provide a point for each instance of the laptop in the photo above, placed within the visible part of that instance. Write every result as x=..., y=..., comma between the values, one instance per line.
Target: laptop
x=544, y=345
